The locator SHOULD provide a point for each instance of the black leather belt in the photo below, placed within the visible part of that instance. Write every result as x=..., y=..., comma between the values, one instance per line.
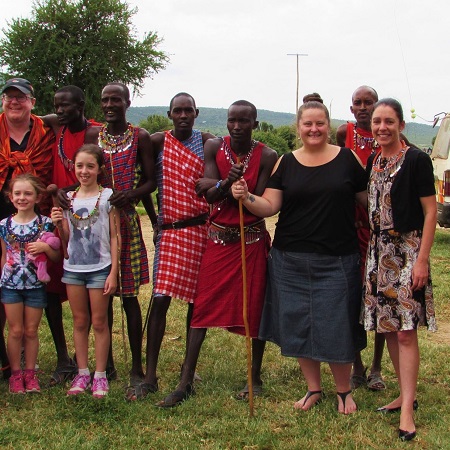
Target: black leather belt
x=198, y=220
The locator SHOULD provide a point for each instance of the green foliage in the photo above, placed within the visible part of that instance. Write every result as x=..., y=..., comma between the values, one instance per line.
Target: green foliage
x=156, y=123
x=289, y=134
x=272, y=140
x=87, y=43
x=264, y=126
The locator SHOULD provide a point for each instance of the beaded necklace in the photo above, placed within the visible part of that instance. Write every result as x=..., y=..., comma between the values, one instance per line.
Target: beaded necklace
x=67, y=162
x=84, y=222
x=361, y=141
x=245, y=161
x=384, y=168
x=115, y=144
x=35, y=230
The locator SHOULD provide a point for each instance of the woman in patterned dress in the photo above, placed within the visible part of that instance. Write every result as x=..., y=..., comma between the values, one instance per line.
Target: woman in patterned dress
x=402, y=214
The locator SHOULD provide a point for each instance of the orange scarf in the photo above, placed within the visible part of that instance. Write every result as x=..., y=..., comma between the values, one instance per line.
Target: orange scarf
x=36, y=158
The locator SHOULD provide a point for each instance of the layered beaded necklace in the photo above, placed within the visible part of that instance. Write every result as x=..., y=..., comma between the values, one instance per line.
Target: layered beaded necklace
x=22, y=239
x=362, y=141
x=67, y=162
x=86, y=221
x=385, y=168
x=115, y=144
x=245, y=161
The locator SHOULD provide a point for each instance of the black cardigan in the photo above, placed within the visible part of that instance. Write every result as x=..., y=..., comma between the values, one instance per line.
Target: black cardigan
x=415, y=179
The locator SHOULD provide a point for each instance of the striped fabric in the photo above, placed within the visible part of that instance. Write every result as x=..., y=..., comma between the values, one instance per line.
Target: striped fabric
x=178, y=252
x=133, y=258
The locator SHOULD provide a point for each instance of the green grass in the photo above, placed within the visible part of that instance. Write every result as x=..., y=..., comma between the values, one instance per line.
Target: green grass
x=212, y=419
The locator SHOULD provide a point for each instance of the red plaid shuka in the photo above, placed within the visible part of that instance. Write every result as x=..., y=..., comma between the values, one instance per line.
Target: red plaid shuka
x=178, y=252
x=133, y=257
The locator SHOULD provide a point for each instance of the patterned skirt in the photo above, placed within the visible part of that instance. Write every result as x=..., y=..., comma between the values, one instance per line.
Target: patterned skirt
x=390, y=304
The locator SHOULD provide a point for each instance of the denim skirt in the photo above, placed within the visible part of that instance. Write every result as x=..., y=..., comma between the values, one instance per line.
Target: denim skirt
x=312, y=305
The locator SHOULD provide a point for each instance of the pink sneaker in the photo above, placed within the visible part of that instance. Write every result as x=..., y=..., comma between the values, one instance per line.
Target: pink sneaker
x=16, y=384
x=31, y=381
x=100, y=387
x=79, y=384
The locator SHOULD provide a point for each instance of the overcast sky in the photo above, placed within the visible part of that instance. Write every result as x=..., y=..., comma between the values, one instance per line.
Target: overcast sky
x=222, y=51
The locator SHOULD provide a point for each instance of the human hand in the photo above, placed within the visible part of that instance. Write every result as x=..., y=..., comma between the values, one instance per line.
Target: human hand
x=419, y=275
x=56, y=215
x=203, y=184
x=236, y=172
x=110, y=285
x=120, y=199
x=239, y=189
x=34, y=248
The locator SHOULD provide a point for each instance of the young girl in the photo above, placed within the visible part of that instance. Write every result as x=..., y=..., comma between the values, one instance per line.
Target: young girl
x=23, y=294
x=90, y=272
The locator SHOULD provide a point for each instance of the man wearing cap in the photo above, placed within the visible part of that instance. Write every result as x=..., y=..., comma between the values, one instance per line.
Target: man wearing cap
x=25, y=146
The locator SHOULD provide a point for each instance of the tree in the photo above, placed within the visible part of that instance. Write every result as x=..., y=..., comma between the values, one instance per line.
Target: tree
x=272, y=140
x=87, y=43
x=156, y=123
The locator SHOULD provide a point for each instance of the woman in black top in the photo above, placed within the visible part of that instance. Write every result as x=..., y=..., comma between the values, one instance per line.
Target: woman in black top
x=313, y=294
x=402, y=217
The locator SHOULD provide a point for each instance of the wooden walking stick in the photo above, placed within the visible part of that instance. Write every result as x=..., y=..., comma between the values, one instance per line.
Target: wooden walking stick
x=244, y=308
x=52, y=189
x=119, y=251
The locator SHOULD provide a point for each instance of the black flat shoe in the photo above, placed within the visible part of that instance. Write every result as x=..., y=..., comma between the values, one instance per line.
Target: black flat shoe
x=406, y=435
x=395, y=410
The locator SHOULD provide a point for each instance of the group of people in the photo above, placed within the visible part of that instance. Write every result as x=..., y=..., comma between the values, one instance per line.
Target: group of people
x=312, y=291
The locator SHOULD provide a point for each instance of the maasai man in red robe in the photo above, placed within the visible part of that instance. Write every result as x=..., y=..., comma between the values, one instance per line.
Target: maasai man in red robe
x=72, y=130
x=180, y=226
x=129, y=164
x=219, y=298
x=358, y=137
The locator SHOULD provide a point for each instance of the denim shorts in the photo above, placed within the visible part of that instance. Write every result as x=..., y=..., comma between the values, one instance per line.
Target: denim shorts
x=34, y=298
x=92, y=280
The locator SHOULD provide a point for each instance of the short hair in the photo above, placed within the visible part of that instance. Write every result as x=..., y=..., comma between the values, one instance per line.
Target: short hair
x=313, y=105
x=181, y=94
x=124, y=87
x=76, y=93
x=35, y=181
x=364, y=86
x=313, y=97
x=246, y=103
x=394, y=104
x=91, y=149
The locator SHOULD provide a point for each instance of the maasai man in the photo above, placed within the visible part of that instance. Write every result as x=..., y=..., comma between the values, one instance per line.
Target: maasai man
x=128, y=153
x=216, y=304
x=72, y=130
x=179, y=247
x=25, y=146
x=358, y=137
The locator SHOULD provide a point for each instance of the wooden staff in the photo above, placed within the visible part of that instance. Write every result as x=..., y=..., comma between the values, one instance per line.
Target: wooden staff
x=52, y=189
x=244, y=308
x=119, y=251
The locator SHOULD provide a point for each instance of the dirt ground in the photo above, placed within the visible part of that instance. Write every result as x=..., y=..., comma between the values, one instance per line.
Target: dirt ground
x=442, y=336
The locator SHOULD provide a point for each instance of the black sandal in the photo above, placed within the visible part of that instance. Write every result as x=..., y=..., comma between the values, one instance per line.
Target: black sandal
x=140, y=390
x=309, y=394
x=343, y=396
x=63, y=373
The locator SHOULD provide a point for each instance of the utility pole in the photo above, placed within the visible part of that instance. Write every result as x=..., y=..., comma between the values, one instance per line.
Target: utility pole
x=296, y=98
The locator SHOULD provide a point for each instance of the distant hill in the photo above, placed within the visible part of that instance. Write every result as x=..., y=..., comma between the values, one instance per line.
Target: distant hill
x=214, y=120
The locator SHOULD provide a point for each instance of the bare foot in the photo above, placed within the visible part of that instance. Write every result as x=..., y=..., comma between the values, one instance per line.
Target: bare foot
x=397, y=403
